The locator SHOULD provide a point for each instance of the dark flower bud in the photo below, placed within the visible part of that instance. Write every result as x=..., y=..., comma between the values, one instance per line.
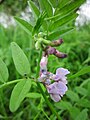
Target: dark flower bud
x=60, y=54
x=50, y=50
x=57, y=42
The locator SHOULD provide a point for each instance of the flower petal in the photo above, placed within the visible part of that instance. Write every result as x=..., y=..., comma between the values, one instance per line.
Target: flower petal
x=43, y=62
x=42, y=78
x=64, y=80
x=62, y=72
x=52, y=88
x=62, y=88
x=55, y=98
x=48, y=81
x=60, y=75
x=57, y=88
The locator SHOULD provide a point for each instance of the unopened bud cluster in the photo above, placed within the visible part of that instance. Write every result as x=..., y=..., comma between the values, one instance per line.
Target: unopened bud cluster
x=48, y=46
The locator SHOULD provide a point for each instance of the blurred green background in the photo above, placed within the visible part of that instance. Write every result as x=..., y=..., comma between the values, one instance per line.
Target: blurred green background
x=76, y=44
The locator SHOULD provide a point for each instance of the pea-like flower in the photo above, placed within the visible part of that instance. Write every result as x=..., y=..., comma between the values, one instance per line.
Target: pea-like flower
x=56, y=90
x=61, y=75
x=55, y=83
x=44, y=74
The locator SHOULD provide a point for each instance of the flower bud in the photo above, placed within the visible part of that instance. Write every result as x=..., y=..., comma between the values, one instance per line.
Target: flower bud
x=60, y=54
x=56, y=42
x=50, y=50
x=37, y=45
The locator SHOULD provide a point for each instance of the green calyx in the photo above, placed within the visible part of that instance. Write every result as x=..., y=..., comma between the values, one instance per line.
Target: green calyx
x=42, y=42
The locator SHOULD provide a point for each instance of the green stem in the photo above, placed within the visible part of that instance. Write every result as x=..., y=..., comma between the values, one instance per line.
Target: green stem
x=2, y=103
x=8, y=83
x=45, y=114
x=37, y=115
x=41, y=90
x=38, y=66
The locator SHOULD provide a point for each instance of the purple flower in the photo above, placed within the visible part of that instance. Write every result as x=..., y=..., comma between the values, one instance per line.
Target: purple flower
x=61, y=75
x=56, y=90
x=43, y=63
x=44, y=74
x=45, y=78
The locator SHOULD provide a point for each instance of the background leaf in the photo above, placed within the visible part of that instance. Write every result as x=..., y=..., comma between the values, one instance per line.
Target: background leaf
x=25, y=25
x=3, y=71
x=72, y=95
x=84, y=103
x=81, y=72
x=83, y=115
x=20, y=60
x=81, y=90
x=74, y=111
x=34, y=8
x=63, y=105
x=19, y=93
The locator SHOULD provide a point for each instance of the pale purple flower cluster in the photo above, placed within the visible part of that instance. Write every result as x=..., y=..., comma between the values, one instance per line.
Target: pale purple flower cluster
x=58, y=88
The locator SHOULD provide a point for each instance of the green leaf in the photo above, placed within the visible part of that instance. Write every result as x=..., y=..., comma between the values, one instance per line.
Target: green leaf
x=46, y=6
x=54, y=3
x=45, y=23
x=69, y=8
x=72, y=6
x=88, y=88
x=84, y=103
x=72, y=96
x=81, y=91
x=62, y=3
x=33, y=95
x=19, y=93
x=74, y=111
x=81, y=72
x=41, y=5
x=39, y=22
x=57, y=34
x=34, y=8
x=63, y=21
x=25, y=25
x=3, y=71
x=63, y=105
x=20, y=60
x=86, y=81
x=82, y=115
x=86, y=61
x=66, y=7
